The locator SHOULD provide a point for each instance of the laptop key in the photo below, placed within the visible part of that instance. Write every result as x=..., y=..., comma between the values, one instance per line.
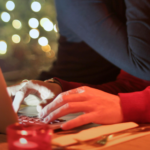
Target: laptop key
x=32, y=120
x=24, y=120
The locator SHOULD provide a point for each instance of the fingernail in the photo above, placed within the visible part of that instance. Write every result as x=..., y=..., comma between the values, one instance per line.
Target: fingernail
x=63, y=126
x=41, y=114
x=46, y=120
x=39, y=108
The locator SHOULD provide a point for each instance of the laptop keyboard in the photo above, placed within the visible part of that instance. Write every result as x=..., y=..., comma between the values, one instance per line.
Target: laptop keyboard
x=34, y=120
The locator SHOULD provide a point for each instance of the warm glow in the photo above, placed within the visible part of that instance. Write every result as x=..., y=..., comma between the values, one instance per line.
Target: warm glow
x=16, y=24
x=3, y=47
x=5, y=16
x=27, y=38
x=23, y=132
x=46, y=24
x=42, y=131
x=46, y=48
x=50, y=54
x=36, y=6
x=33, y=23
x=55, y=28
x=43, y=41
x=50, y=133
x=43, y=20
x=16, y=38
x=23, y=141
x=10, y=5
x=34, y=33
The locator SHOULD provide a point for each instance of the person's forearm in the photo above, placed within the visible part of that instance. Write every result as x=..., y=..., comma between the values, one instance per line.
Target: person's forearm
x=124, y=83
x=136, y=106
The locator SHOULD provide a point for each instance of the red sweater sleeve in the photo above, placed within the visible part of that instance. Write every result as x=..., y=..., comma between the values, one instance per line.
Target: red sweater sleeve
x=136, y=106
x=124, y=83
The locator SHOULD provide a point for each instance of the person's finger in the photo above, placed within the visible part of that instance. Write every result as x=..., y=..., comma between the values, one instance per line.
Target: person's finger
x=18, y=100
x=58, y=98
x=67, y=108
x=12, y=90
x=59, y=101
x=36, y=88
x=43, y=92
x=39, y=89
x=74, y=91
x=28, y=88
x=43, y=104
x=39, y=108
x=22, y=93
x=79, y=121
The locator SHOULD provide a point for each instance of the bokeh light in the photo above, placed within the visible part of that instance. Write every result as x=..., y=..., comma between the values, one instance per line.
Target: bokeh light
x=10, y=5
x=46, y=24
x=26, y=38
x=5, y=16
x=36, y=6
x=55, y=28
x=33, y=23
x=46, y=48
x=16, y=38
x=3, y=47
x=50, y=54
x=23, y=141
x=16, y=24
x=34, y=33
x=43, y=41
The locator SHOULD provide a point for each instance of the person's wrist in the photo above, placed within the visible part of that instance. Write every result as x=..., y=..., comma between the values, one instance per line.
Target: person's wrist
x=119, y=113
x=53, y=80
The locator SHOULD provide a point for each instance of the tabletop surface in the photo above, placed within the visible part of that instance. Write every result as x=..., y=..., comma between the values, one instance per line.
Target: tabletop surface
x=141, y=143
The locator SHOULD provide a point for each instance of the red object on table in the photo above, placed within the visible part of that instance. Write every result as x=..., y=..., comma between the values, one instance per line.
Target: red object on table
x=29, y=137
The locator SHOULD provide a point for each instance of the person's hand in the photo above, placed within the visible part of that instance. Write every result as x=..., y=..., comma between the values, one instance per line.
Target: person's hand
x=99, y=107
x=43, y=90
x=12, y=90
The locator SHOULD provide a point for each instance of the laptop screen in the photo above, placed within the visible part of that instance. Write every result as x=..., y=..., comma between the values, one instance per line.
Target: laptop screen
x=7, y=114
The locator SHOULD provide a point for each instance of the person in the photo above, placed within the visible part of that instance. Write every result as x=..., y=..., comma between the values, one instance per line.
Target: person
x=117, y=30
x=124, y=44
x=98, y=106
x=77, y=61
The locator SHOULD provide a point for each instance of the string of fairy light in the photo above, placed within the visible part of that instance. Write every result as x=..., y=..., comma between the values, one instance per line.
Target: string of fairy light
x=33, y=23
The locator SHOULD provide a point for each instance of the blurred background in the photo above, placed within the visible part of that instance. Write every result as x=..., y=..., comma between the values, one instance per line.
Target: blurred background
x=28, y=38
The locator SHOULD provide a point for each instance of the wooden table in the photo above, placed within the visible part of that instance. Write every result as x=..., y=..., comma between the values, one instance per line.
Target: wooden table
x=142, y=143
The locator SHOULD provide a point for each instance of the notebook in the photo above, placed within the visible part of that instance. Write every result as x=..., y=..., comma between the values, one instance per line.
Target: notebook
x=8, y=116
